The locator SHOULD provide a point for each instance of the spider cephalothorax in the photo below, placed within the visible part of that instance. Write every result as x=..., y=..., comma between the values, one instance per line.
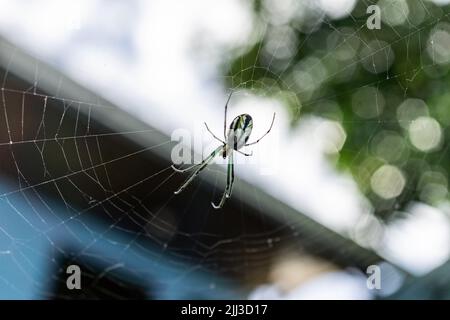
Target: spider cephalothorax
x=235, y=139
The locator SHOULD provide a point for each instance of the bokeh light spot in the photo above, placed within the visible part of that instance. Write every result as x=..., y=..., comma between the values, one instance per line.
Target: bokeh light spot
x=425, y=133
x=388, y=182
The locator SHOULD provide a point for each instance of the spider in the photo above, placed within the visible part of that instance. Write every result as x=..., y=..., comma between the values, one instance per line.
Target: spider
x=236, y=138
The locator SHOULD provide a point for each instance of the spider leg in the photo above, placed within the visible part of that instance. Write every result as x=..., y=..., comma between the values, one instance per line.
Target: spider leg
x=215, y=137
x=201, y=166
x=245, y=154
x=186, y=169
x=265, y=134
x=230, y=181
x=225, y=118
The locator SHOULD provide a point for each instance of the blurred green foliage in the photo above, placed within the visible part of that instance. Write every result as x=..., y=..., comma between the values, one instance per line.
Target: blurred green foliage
x=375, y=83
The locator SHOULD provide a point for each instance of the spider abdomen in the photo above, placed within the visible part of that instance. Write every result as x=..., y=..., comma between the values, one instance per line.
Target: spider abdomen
x=239, y=132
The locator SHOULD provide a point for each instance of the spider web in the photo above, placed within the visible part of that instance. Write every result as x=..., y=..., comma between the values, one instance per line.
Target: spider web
x=79, y=174
x=78, y=191
x=274, y=75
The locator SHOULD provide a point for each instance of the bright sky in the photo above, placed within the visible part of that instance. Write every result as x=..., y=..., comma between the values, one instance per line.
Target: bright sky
x=140, y=54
